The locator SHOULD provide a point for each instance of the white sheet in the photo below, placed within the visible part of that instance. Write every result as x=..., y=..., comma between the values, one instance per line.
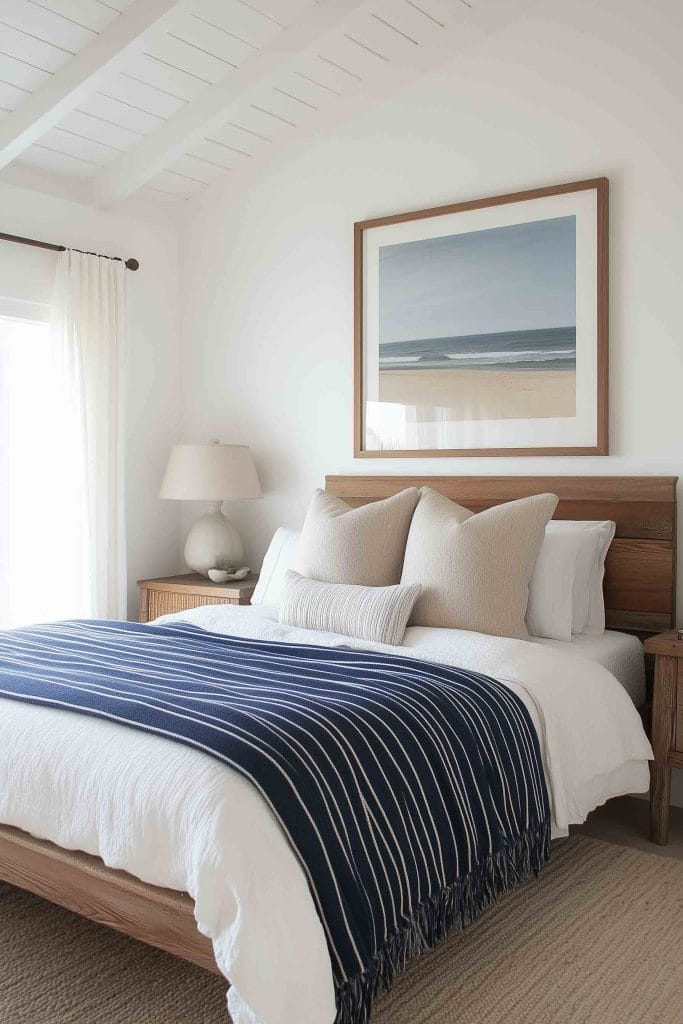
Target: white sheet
x=620, y=653
x=177, y=818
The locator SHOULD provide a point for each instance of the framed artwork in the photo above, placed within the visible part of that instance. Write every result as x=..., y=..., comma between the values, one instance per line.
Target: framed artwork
x=481, y=328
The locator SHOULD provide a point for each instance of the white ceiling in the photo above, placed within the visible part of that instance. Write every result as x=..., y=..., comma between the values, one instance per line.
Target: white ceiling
x=163, y=98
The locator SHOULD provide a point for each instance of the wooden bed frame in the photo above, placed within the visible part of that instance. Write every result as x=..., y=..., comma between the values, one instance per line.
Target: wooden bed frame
x=640, y=596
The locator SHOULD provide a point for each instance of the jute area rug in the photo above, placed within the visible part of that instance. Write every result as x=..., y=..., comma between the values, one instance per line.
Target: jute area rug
x=597, y=940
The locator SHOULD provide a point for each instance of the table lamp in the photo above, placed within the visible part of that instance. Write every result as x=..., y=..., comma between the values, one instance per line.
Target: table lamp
x=214, y=473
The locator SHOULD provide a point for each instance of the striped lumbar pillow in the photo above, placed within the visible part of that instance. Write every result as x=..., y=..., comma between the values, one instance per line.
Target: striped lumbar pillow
x=367, y=613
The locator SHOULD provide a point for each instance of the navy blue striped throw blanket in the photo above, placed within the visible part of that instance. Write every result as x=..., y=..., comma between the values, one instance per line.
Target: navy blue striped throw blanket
x=412, y=793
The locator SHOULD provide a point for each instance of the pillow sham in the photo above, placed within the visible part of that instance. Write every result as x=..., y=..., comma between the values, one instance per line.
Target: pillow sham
x=474, y=569
x=278, y=559
x=362, y=546
x=592, y=539
x=379, y=614
x=549, y=612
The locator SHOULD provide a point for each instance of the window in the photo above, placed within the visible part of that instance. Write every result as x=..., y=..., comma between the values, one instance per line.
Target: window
x=43, y=540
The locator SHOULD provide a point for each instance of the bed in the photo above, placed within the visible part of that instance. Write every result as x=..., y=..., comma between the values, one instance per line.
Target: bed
x=640, y=596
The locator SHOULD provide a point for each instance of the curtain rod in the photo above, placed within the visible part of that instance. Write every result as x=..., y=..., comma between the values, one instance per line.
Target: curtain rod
x=131, y=264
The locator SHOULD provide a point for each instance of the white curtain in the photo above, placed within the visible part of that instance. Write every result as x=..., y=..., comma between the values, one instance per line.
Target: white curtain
x=88, y=324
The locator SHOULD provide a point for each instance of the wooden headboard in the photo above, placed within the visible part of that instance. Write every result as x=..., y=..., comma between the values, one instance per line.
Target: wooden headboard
x=640, y=573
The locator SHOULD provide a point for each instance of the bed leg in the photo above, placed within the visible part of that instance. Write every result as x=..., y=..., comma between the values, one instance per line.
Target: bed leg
x=663, y=724
x=660, y=794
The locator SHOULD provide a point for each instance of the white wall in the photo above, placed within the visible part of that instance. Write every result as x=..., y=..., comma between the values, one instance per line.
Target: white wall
x=573, y=90
x=153, y=380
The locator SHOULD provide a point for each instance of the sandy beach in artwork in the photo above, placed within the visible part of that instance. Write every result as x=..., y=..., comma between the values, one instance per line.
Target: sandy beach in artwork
x=473, y=394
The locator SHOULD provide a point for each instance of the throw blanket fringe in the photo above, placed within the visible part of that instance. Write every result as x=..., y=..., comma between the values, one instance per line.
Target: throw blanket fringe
x=432, y=920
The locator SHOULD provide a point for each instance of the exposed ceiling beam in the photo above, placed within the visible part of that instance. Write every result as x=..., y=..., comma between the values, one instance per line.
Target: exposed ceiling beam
x=155, y=152
x=41, y=111
x=468, y=30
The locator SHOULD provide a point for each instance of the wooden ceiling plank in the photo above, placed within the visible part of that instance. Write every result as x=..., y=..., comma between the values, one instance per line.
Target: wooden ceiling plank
x=215, y=41
x=328, y=79
x=409, y=20
x=302, y=91
x=176, y=184
x=279, y=104
x=204, y=68
x=43, y=158
x=237, y=137
x=77, y=146
x=10, y=95
x=119, y=5
x=22, y=74
x=99, y=131
x=158, y=74
x=170, y=141
x=195, y=167
x=44, y=25
x=80, y=75
x=218, y=154
x=356, y=57
x=143, y=97
x=262, y=119
x=120, y=114
x=230, y=16
x=377, y=36
x=33, y=51
x=88, y=13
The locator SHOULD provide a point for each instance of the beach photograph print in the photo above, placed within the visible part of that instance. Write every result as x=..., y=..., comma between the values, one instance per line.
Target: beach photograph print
x=481, y=327
x=481, y=324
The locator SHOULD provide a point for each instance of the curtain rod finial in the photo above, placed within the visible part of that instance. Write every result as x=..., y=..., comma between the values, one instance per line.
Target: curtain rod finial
x=132, y=264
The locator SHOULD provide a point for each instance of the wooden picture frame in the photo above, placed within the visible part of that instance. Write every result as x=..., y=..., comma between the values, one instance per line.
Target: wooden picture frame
x=597, y=276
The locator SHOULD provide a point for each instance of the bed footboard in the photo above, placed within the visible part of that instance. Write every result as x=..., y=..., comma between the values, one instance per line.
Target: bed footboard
x=160, y=917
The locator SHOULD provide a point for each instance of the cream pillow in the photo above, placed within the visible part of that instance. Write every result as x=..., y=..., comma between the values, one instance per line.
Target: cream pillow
x=379, y=614
x=363, y=546
x=474, y=569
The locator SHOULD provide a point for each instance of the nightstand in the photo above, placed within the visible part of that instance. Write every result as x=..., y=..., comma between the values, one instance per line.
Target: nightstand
x=178, y=593
x=667, y=727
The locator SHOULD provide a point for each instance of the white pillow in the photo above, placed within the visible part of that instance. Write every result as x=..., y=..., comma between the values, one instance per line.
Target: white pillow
x=590, y=541
x=604, y=531
x=379, y=614
x=549, y=612
x=279, y=557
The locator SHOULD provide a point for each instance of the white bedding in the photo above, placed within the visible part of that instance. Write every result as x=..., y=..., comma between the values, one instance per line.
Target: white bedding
x=177, y=818
x=620, y=653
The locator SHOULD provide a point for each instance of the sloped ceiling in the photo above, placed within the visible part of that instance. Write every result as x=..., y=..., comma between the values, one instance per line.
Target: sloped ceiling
x=163, y=98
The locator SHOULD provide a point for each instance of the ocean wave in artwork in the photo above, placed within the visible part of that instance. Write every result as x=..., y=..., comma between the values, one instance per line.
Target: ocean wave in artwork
x=551, y=348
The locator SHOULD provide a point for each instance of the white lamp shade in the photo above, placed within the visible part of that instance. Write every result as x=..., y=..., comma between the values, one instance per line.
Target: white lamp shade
x=210, y=472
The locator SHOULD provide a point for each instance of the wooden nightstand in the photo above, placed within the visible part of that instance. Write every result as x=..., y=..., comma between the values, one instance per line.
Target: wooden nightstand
x=178, y=593
x=667, y=727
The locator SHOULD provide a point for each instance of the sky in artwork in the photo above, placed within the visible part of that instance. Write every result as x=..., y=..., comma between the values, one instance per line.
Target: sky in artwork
x=518, y=277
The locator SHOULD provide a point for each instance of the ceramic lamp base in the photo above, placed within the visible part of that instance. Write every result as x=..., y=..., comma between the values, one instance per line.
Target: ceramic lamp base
x=213, y=542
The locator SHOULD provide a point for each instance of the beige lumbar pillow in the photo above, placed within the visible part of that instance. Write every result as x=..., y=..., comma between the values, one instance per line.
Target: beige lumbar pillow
x=379, y=614
x=363, y=546
x=474, y=569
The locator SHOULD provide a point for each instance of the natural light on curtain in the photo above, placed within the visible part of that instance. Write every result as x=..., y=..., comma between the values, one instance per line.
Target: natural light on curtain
x=62, y=516
x=43, y=529
x=88, y=324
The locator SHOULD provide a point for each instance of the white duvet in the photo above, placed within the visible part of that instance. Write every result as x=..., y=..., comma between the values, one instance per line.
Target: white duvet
x=177, y=818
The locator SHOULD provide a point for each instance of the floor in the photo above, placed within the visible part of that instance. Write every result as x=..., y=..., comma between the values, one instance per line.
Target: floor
x=625, y=821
